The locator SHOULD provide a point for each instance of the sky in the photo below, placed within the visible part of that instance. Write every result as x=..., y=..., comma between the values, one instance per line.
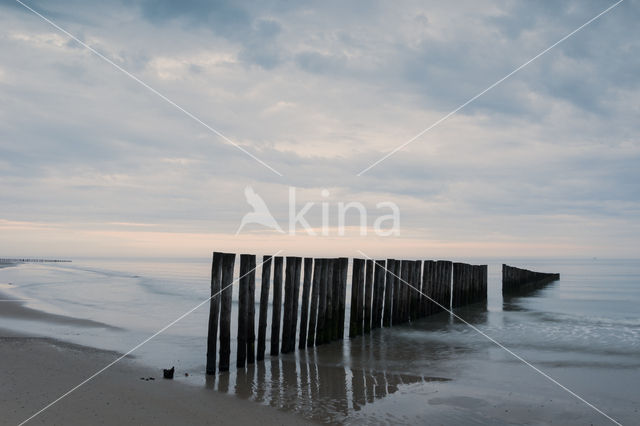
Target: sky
x=307, y=95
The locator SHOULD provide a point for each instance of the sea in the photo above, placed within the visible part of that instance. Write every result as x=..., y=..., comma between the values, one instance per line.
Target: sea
x=568, y=353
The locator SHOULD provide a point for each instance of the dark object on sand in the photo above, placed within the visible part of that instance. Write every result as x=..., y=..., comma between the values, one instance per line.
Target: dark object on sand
x=168, y=374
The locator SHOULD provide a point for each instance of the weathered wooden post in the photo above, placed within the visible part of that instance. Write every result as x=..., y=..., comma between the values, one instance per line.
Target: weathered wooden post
x=416, y=291
x=447, y=281
x=378, y=293
x=406, y=278
x=411, y=293
x=409, y=290
x=469, y=285
x=360, y=299
x=368, y=295
x=265, y=283
x=388, y=293
x=328, y=315
x=356, y=275
x=214, y=312
x=337, y=290
x=457, y=283
x=343, y=263
x=277, y=305
x=335, y=297
x=485, y=281
x=395, y=303
x=477, y=283
x=251, y=311
x=322, y=303
x=247, y=272
x=315, y=295
x=296, y=300
x=228, y=262
x=287, y=317
x=426, y=288
x=397, y=291
x=306, y=289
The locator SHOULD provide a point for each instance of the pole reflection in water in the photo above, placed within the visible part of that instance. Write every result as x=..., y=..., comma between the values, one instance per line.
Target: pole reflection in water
x=331, y=382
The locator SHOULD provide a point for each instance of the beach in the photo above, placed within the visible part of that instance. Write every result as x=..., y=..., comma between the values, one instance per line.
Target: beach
x=38, y=370
x=74, y=319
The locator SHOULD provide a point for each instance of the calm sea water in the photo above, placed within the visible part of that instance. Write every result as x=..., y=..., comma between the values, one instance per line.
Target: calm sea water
x=583, y=331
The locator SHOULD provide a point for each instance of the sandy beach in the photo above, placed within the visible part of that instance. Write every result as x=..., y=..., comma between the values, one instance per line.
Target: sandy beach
x=38, y=370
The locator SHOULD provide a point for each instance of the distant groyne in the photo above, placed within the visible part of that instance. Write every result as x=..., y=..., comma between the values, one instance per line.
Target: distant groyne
x=31, y=260
x=517, y=280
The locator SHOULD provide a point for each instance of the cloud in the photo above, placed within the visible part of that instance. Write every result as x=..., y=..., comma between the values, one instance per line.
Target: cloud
x=320, y=91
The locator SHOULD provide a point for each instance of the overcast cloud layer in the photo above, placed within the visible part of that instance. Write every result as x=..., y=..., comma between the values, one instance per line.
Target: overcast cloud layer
x=547, y=163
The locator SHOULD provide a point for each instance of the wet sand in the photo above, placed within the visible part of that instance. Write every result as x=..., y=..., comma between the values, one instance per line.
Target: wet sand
x=14, y=308
x=38, y=370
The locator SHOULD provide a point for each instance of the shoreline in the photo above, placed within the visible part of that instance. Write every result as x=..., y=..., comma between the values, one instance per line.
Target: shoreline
x=42, y=369
x=15, y=309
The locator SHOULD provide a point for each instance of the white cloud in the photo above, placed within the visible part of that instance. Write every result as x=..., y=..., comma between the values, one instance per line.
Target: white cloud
x=547, y=158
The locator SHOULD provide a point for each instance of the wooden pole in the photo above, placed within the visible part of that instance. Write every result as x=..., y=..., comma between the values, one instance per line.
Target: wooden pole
x=397, y=293
x=264, y=306
x=378, y=293
x=277, y=305
x=214, y=312
x=368, y=295
x=475, y=294
x=353, y=314
x=408, y=291
x=327, y=330
x=360, y=299
x=446, y=282
x=228, y=262
x=343, y=263
x=304, y=315
x=251, y=311
x=468, y=286
x=425, y=288
x=417, y=283
x=388, y=293
x=322, y=303
x=457, y=282
x=287, y=316
x=243, y=309
x=336, y=300
x=296, y=300
x=406, y=280
x=395, y=309
x=315, y=294
x=485, y=282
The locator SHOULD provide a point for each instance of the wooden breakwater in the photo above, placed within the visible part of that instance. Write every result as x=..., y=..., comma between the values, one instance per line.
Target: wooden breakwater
x=310, y=295
x=517, y=280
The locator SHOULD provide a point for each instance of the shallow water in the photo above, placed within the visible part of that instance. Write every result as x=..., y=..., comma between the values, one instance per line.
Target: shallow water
x=583, y=331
